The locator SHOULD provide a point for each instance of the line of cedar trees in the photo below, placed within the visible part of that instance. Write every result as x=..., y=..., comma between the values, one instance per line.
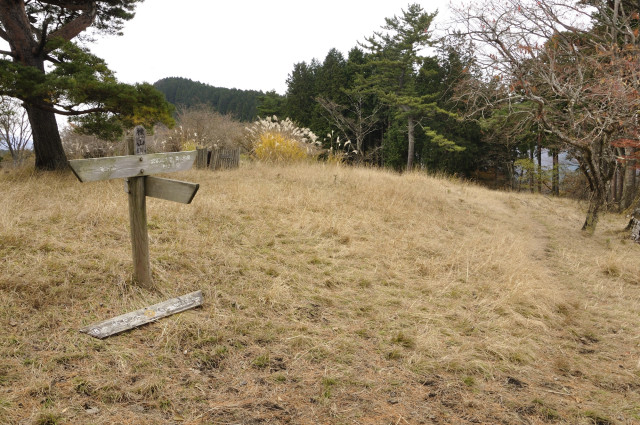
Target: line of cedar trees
x=389, y=99
x=380, y=95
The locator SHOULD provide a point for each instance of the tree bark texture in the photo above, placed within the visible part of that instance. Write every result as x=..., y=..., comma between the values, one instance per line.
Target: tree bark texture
x=598, y=164
x=47, y=144
x=620, y=184
x=629, y=189
x=539, y=159
x=532, y=173
x=635, y=231
x=613, y=189
x=596, y=202
x=411, y=127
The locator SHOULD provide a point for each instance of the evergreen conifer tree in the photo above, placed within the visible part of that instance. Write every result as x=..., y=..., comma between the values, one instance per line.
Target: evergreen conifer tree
x=52, y=75
x=397, y=57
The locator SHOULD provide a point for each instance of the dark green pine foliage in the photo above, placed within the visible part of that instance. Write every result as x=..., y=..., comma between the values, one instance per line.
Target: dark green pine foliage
x=331, y=80
x=441, y=75
x=270, y=104
x=334, y=81
x=241, y=104
x=396, y=56
x=390, y=88
x=50, y=74
x=332, y=76
x=360, y=68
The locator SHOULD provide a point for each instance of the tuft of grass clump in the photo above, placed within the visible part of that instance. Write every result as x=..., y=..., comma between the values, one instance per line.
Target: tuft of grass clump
x=83, y=387
x=598, y=418
x=394, y=355
x=469, y=381
x=403, y=340
x=327, y=385
x=211, y=358
x=261, y=362
x=48, y=418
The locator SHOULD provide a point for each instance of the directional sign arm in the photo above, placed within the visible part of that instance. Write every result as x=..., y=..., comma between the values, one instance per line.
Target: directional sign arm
x=95, y=169
x=170, y=190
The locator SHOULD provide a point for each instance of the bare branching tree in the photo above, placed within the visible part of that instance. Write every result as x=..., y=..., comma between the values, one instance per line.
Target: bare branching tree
x=354, y=121
x=575, y=63
x=15, y=131
x=201, y=126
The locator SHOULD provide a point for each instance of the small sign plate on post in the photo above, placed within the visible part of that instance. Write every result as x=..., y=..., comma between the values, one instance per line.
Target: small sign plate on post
x=140, y=141
x=170, y=190
x=114, y=167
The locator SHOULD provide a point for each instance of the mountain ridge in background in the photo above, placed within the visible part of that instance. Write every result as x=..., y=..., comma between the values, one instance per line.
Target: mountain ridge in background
x=183, y=92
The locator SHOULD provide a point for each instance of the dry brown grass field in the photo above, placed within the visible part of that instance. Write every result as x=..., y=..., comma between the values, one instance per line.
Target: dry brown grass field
x=333, y=295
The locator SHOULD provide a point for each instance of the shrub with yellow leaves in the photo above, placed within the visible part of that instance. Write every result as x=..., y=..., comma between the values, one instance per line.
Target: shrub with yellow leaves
x=274, y=147
x=275, y=140
x=189, y=145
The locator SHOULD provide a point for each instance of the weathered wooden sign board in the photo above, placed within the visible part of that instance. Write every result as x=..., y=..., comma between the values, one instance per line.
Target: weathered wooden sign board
x=137, y=168
x=143, y=316
x=114, y=167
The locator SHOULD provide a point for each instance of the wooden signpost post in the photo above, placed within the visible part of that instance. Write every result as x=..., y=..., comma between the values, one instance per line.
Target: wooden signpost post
x=136, y=168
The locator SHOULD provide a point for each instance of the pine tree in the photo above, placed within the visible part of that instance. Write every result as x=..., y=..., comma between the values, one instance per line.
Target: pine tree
x=51, y=75
x=271, y=103
x=396, y=56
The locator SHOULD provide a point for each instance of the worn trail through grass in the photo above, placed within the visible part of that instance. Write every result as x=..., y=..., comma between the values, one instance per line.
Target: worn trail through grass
x=333, y=295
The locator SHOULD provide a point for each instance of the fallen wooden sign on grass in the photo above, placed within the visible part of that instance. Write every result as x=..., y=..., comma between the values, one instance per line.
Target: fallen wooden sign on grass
x=143, y=316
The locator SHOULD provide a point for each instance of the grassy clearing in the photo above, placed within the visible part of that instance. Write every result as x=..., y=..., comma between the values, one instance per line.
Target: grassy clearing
x=332, y=295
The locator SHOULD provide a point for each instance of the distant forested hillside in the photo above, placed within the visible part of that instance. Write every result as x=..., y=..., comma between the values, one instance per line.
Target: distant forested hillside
x=242, y=104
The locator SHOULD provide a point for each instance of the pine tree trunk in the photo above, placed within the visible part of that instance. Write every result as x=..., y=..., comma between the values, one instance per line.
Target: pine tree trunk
x=555, y=179
x=47, y=144
x=27, y=51
x=411, y=127
x=629, y=189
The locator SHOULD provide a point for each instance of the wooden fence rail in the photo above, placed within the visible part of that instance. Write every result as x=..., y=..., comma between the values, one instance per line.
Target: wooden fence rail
x=218, y=158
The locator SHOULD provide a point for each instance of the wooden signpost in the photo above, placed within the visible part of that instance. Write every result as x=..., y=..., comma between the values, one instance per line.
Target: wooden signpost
x=136, y=168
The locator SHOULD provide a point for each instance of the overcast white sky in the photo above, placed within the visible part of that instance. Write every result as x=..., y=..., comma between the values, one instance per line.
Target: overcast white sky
x=244, y=44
